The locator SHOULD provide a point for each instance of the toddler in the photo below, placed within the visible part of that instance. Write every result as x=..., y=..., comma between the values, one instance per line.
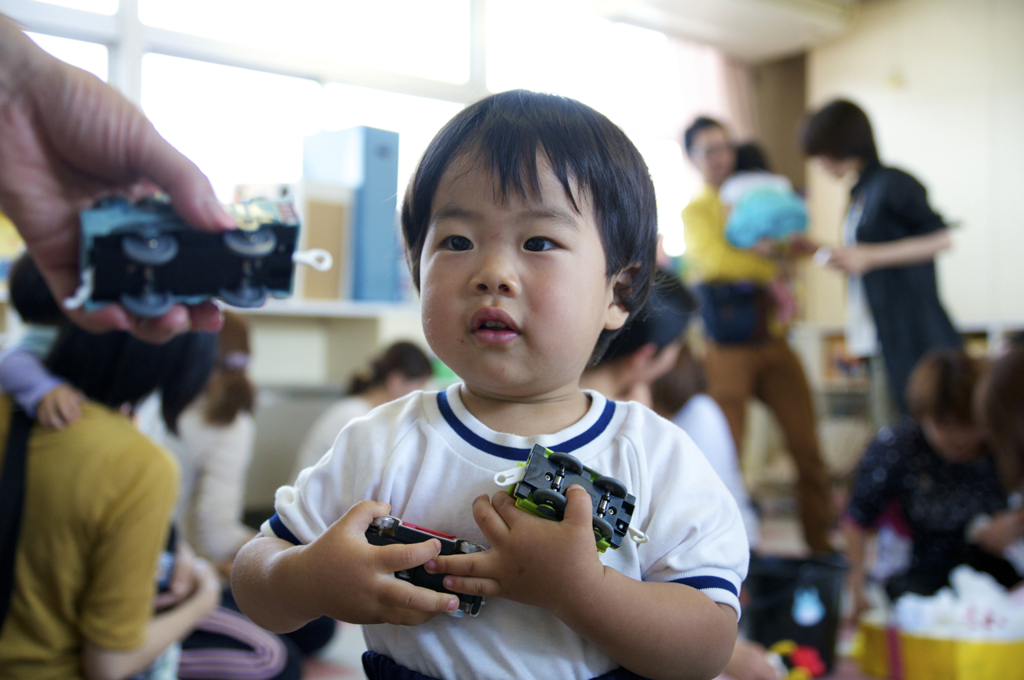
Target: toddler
x=530, y=226
x=43, y=396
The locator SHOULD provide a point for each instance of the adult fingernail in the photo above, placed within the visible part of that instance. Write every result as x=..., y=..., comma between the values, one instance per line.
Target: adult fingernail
x=453, y=604
x=430, y=565
x=448, y=582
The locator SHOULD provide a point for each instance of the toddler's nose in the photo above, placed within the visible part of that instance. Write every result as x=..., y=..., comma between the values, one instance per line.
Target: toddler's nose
x=496, y=276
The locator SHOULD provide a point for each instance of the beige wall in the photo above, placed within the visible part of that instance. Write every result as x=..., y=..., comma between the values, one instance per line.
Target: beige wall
x=779, y=101
x=943, y=83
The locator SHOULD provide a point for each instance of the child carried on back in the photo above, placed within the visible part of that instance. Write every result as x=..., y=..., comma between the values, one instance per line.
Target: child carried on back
x=531, y=230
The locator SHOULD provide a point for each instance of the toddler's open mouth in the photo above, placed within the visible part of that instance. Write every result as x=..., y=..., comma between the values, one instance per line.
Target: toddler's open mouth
x=493, y=325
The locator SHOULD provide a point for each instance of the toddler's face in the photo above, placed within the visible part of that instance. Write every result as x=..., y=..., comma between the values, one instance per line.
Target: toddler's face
x=514, y=296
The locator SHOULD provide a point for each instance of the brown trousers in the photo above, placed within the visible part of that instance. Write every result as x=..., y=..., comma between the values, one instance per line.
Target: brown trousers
x=771, y=372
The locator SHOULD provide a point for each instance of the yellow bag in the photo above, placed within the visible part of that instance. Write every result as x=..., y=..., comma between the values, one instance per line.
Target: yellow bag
x=922, y=658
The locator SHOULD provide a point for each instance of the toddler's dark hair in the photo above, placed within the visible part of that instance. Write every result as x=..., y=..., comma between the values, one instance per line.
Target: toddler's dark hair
x=750, y=156
x=30, y=295
x=587, y=151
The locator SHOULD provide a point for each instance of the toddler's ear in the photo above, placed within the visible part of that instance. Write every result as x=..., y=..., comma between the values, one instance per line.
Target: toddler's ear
x=616, y=315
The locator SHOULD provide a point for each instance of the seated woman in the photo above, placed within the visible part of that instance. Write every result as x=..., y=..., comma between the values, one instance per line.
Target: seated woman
x=938, y=469
x=400, y=369
x=999, y=404
x=213, y=442
x=97, y=503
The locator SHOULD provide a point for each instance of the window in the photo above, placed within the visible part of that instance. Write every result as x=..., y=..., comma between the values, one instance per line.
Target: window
x=426, y=38
x=630, y=74
x=98, y=6
x=237, y=125
x=88, y=56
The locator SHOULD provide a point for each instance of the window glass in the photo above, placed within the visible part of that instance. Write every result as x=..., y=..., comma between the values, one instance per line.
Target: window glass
x=415, y=119
x=88, y=56
x=426, y=38
x=239, y=126
x=97, y=6
x=632, y=75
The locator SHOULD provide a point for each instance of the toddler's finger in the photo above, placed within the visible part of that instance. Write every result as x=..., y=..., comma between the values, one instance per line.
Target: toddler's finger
x=398, y=593
x=487, y=587
x=475, y=564
x=579, y=510
x=487, y=518
x=399, y=556
x=359, y=516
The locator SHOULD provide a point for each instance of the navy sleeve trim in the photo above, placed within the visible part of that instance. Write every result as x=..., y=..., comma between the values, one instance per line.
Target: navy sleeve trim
x=705, y=582
x=283, y=532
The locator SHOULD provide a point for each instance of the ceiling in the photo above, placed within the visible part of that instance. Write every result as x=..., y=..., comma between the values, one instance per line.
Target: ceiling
x=750, y=30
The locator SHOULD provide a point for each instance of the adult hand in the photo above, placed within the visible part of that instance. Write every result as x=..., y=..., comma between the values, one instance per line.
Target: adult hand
x=1003, y=529
x=801, y=246
x=66, y=140
x=766, y=247
x=854, y=260
x=182, y=577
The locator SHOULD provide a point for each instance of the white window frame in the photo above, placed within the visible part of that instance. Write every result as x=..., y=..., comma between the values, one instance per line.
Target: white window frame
x=128, y=39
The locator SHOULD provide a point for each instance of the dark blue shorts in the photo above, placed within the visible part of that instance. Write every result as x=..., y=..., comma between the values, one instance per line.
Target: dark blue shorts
x=380, y=667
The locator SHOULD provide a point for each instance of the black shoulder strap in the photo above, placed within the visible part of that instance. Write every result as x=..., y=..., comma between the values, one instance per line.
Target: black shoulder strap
x=12, y=497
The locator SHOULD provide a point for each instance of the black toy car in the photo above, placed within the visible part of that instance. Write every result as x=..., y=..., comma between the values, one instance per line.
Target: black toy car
x=539, y=488
x=145, y=257
x=389, y=530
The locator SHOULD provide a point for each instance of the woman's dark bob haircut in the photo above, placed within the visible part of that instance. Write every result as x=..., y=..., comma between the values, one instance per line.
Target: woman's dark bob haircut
x=840, y=130
x=588, y=154
x=116, y=369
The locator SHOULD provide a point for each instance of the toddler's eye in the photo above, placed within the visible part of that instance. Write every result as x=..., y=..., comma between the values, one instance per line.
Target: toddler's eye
x=538, y=243
x=457, y=243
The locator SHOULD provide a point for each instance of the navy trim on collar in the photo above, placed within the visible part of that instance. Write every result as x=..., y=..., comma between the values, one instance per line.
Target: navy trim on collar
x=517, y=454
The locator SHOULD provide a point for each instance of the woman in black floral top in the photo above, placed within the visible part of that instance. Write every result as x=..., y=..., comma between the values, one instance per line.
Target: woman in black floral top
x=939, y=471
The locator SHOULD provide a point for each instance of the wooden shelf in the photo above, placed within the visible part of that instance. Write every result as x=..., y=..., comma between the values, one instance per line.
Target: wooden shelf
x=333, y=309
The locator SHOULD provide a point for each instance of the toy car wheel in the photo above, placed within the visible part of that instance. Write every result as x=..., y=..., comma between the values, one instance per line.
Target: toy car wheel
x=610, y=485
x=257, y=243
x=249, y=296
x=603, y=528
x=112, y=201
x=148, y=304
x=570, y=463
x=549, y=502
x=151, y=249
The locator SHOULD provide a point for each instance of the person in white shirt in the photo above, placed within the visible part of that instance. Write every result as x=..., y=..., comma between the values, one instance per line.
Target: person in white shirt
x=400, y=369
x=213, y=442
x=531, y=230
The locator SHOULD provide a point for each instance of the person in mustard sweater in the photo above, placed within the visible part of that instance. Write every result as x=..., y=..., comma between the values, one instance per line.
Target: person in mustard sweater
x=747, y=352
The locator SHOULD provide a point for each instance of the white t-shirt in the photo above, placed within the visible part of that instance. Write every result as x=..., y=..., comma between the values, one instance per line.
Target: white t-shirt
x=428, y=457
x=702, y=418
x=325, y=430
x=214, y=461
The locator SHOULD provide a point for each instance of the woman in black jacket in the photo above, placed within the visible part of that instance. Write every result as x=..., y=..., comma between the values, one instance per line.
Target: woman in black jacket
x=891, y=238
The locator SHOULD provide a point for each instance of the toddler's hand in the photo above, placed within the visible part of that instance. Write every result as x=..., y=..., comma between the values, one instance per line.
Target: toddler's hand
x=357, y=580
x=532, y=560
x=60, y=407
